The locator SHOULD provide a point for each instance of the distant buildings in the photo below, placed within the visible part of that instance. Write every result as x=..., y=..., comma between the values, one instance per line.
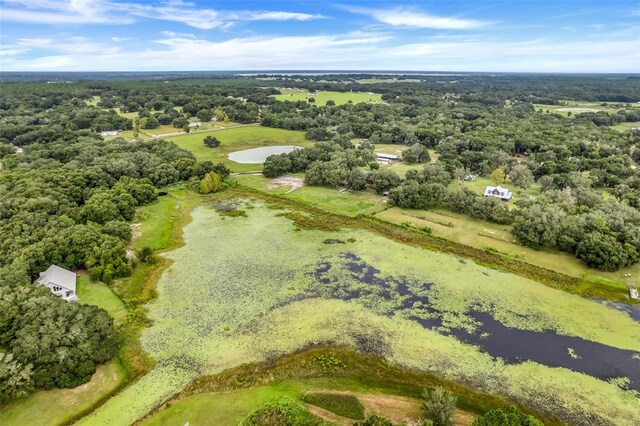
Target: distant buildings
x=195, y=124
x=109, y=133
x=60, y=281
x=470, y=178
x=385, y=158
x=498, y=192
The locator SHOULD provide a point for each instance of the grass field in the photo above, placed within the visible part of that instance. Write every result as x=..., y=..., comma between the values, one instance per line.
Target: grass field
x=251, y=299
x=623, y=127
x=229, y=408
x=322, y=97
x=237, y=139
x=569, y=107
x=59, y=406
x=99, y=294
x=331, y=199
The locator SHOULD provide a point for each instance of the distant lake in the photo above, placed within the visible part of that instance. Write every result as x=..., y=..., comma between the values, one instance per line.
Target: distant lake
x=258, y=155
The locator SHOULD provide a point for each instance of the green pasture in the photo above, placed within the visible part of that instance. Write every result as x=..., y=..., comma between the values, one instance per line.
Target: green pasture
x=237, y=139
x=322, y=97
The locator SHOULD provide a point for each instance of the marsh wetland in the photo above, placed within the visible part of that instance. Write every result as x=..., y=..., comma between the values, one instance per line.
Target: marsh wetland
x=257, y=286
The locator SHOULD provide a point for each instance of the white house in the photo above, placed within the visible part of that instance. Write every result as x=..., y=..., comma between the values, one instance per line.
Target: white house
x=109, y=133
x=60, y=281
x=498, y=192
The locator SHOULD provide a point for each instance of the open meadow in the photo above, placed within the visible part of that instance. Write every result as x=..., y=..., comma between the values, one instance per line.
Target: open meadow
x=321, y=97
x=248, y=300
x=238, y=139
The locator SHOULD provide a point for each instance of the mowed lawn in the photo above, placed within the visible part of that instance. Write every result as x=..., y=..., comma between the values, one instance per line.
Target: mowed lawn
x=99, y=294
x=60, y=406
x=321, y=97
x=237, y=139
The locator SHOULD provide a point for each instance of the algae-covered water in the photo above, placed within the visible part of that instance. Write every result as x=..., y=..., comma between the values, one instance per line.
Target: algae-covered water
x=245, y=289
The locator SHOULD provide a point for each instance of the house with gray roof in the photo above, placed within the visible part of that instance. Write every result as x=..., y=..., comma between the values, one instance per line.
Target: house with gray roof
x=498, y=192
x=60, y=281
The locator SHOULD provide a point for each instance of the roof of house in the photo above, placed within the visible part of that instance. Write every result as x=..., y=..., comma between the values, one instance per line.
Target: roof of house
x=497, y=190
x=58, y=276
x=387, y=156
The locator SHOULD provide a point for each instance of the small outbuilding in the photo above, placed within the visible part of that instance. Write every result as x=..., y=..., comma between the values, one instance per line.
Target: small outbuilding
x=498, y=192
x=633, y=293
x=109, y=133
x=385, y=158
x=60, y=281
x=195, y=124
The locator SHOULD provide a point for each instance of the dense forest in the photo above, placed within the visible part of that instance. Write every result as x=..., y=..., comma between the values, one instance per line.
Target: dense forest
x=67, y=195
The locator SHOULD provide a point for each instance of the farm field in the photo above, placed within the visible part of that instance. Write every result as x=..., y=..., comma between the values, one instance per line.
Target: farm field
x=221, y=306
x=322, y=97
x=237, y=139
x=485, y=235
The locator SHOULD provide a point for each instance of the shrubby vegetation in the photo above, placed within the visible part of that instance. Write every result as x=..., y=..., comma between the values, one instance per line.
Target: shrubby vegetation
x=49, y=342
x=282, y=413
x=509, y=416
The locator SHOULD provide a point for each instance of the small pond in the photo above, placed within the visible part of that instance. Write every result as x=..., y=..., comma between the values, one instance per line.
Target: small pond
x=258, y=155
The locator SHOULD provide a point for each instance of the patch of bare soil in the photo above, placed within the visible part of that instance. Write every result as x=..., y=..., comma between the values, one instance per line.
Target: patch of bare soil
x=292, y=181
x=400, y=409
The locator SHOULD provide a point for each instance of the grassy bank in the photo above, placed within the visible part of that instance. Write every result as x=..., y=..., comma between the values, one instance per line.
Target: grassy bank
x=237, y=139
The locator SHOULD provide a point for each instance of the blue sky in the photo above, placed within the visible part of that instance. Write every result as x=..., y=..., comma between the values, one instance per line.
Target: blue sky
x=149, y=35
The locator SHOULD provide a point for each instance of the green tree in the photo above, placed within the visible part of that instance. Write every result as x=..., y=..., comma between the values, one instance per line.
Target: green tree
x=149, y=123
x=521, y=176
x=605, y=252
x=204, y=115
x=384, y=180
x=276, y=165
x=331, y=103
x=498, y=176
x=211, y=142
x=438, y=406
x=210, y=183
x=417, y=153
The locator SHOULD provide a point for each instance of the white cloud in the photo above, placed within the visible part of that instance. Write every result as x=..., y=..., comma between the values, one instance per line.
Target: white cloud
x=413, y=18
x=350, y=51
x=118, y=12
